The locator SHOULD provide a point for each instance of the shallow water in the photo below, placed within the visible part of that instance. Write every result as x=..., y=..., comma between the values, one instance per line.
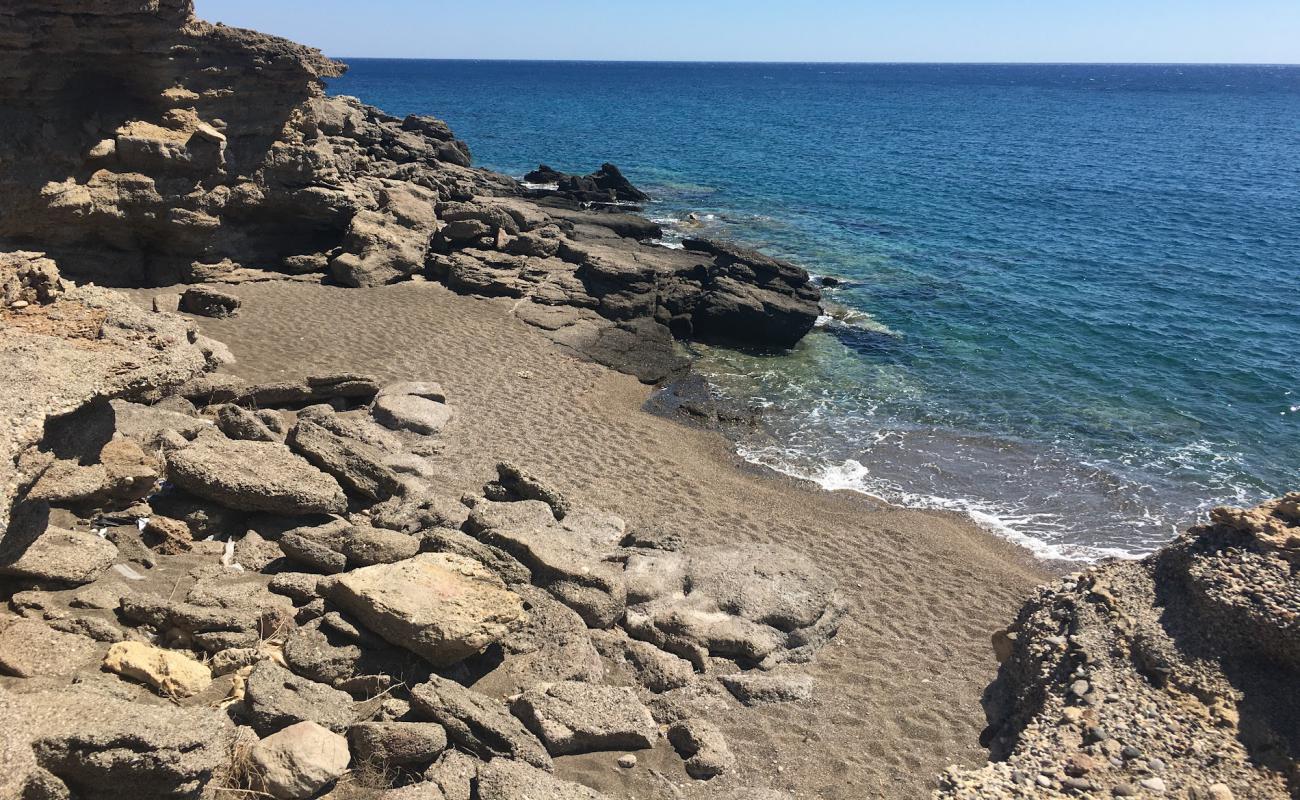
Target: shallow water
x=1071, y=298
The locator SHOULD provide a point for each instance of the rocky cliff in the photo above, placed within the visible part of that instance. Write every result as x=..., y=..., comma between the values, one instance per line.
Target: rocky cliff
x=144, y=147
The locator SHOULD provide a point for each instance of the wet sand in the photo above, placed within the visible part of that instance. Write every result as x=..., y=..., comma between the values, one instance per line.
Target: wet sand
x=897, y=694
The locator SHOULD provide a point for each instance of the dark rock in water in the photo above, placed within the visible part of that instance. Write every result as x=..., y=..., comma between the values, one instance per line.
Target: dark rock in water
x=692, y=399
x=830, y=282
x=753, y=298
x=208, y=302
x=605, y=185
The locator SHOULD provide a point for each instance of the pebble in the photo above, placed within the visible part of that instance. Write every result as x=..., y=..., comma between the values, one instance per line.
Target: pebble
x=1125, y=790
x=1131, y=752
x=1156, y=785
x=19, y=304
x=627, y=761
x=1080, y=688
x=1044, y=781
x=1220, y=791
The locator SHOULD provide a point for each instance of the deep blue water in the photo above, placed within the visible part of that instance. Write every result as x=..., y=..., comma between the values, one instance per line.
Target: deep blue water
x=1073, y=305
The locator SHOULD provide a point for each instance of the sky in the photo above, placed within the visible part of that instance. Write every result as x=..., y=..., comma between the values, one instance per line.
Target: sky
x=1128, y=31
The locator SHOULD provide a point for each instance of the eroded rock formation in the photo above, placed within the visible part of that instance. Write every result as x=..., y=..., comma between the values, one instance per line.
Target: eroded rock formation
x=1171, y=675
x=142, y=146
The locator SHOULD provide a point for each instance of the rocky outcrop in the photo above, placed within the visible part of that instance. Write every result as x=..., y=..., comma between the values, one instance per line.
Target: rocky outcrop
x=605, y=185
x=142, y=147
x=1171, y=675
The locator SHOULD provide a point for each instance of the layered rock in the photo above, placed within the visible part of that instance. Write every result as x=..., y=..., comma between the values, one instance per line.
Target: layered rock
x=144, y=147
x=1174, y=674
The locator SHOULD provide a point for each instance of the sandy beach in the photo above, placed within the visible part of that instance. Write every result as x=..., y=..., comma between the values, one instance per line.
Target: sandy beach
x=897, y=695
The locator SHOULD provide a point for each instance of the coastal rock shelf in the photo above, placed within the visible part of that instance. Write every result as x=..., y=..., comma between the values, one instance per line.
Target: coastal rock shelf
x=144, y=147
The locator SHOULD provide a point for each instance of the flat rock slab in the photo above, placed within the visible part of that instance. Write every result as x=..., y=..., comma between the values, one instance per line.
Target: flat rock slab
x=477, y=723
x=410, y=412
x=441, y=606
x=761, y=688
x=275, y=698
x=500, y=779
x=29, y=649
x=58, y=556
x=573, y=717
x=254, y=476
x=356, y=465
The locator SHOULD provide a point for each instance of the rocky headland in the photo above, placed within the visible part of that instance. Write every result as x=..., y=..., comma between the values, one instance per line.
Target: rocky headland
x=285, y=529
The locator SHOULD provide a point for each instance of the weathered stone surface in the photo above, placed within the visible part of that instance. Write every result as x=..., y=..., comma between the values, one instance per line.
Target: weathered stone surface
x=573, y=717
x=254, y=476
x=29, y=649
x=441, y=606
x=704, y=748
x=655, y=669
x=339, y=655
x=762, y=688
x=567, y=557
x=356, y=465
x=552, y=645
x=90, y=740
x=207, y=301
x=274, y=698
x=477, y=723
x=240, y=423
x=171, y=673
x=502, y=779
x=365, y=546
x=398, y=744
x=298, y=761
x=411, y=412
x=57, y=556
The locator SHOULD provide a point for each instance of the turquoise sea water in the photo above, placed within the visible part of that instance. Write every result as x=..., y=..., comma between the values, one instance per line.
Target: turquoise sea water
x=1072, y=298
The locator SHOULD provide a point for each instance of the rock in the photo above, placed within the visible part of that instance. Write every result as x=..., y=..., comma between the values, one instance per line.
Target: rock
x=398, y=744
x=356, y=465
x=254, y=476
x=209, y=302
x=606, y=185
x=704, y=748
x=411, y=413
x=477, y=723
x=1155, y=785
x=365, y=546
x=627, y=761
x=426, y=389
x=449, y=540
x=552, y=645
x=348, y=658
x=501, y=779
x=171, y=673
x=438, y=605
x=57, y=555
x=572, y=717
x=311, y=554
x=513, y=483
x=567, y=557
x=298, y=761
x=655, y=669
x=239, y=423
x=754, y=689
x=89, y=740
x=29, y=649
x=274, y=698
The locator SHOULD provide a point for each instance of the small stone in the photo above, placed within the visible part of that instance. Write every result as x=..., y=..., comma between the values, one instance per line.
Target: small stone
x=627, y=761
x=172, y=673
x=1155, y=765
x=1156, y=785
x=1079, y=688
x=298, y=761
x=1125, y=790
x=1130, y=752
x=1220, y=791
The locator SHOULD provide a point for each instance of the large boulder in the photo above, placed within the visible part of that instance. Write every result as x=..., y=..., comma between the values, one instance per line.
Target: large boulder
x=254, y=476
x=440, y=606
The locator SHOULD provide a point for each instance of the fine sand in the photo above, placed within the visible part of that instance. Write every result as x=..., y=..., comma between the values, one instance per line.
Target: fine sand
x=897, y=694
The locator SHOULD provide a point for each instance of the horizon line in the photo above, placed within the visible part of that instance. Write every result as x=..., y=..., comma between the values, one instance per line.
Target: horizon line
x=832, y=63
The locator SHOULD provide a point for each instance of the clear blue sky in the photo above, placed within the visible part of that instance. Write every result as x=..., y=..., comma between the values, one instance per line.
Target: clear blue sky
x=1219, y=31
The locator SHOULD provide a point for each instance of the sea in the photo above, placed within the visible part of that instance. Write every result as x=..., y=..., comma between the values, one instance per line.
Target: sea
x=1067, y=297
